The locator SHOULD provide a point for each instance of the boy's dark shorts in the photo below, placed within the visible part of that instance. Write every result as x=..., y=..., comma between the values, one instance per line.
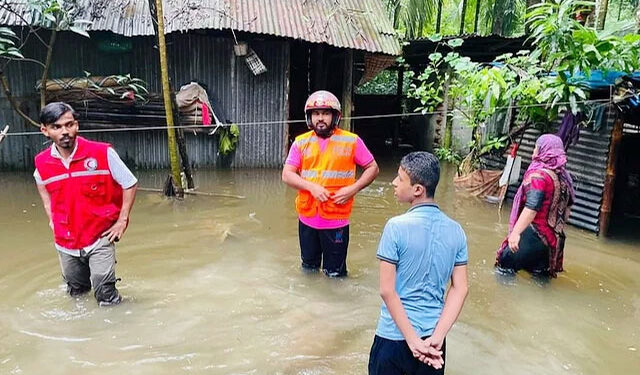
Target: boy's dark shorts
x=390, y=357
x=326, y=247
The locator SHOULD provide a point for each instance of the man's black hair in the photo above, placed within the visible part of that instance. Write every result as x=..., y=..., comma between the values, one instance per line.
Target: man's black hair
x=51, y=112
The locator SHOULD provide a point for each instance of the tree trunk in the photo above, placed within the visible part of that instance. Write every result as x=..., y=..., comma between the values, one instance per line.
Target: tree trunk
x=602, y=6
x=45, y=71
x=477, y=16
x=166, y=95
x=462, y=16
x=439, y=16
x=498, y=16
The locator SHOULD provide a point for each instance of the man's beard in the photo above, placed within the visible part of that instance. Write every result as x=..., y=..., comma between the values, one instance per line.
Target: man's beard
x=324, y=133
x=66, y=142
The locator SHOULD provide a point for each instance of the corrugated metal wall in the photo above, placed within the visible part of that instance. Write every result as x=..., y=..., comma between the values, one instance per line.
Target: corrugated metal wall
x=587, y=163
x=240, y=95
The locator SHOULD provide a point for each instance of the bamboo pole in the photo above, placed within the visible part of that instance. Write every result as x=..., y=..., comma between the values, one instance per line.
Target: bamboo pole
x=166, y=95
x=610, y=178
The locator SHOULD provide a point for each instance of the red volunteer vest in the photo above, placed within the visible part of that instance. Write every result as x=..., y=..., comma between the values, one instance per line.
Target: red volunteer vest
x=85, y=199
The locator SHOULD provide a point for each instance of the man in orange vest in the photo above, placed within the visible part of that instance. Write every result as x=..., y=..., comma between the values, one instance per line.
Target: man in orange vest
x=322, y=166
x=87, y=193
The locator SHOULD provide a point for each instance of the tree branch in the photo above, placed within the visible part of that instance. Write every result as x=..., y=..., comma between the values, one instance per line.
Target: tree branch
x=26, y=59
x=5, y=88
x=47, y=65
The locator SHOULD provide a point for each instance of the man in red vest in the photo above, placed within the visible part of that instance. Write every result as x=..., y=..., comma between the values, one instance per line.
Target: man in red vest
x=322, y=166
x=87, y=193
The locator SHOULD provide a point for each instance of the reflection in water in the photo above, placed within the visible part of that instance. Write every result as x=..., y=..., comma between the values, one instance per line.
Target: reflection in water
x=213, y=285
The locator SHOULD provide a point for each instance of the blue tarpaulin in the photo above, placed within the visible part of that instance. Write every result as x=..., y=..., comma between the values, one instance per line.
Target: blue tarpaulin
x=599, y=80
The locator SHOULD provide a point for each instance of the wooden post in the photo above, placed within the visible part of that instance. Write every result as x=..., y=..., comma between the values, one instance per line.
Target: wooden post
x=287, y=104
x=347, y=91
x=166, y=94
x=319, y=73
x=610, y=178
x=400, y=86
x=396, y=124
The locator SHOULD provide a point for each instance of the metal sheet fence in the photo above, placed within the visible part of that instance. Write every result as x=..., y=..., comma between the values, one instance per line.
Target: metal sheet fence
x=587, y=163
x=237, y=95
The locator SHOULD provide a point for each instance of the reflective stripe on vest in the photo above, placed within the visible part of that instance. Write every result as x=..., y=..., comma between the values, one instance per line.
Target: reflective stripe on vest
x=338, y=174
x=101, y=172
x=59, y=177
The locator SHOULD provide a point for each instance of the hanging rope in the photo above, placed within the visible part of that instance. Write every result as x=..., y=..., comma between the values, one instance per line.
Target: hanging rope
x=282, y=122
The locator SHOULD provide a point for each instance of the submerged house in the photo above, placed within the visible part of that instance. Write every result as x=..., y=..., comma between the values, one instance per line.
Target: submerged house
x=299, y=46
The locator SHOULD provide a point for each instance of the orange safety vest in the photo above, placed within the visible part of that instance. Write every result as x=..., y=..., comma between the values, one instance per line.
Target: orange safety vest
x=333, y=168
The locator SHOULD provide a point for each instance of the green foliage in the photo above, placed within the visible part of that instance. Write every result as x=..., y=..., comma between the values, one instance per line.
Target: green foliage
x=60, y=15
x=538, y=82
x=414, y=19
x=448, y=155
x=385, y=83
x=411, y=18
x=503, y=17
x=56, y=15
x=494, y=144
x=228, y=139
x=128, y=87
x=8, y=47
x=566, y=48
x=442, y=69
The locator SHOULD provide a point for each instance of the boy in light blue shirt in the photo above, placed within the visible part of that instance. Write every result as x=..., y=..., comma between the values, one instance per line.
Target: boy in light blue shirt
x=419, y=252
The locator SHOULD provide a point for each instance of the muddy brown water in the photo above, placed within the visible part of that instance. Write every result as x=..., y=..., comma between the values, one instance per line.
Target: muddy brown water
x=212, y=285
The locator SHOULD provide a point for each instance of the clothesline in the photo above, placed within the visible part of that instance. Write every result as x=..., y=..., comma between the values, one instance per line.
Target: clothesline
x=282, y=122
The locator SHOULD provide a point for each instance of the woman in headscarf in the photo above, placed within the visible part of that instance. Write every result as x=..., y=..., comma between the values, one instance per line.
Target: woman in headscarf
x=540, y=209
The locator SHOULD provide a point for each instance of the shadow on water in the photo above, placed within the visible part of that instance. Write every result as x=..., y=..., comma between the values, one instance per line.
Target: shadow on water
x=213, y=285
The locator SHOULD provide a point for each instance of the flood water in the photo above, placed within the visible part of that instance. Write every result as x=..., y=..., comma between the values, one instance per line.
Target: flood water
x=212, y=285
